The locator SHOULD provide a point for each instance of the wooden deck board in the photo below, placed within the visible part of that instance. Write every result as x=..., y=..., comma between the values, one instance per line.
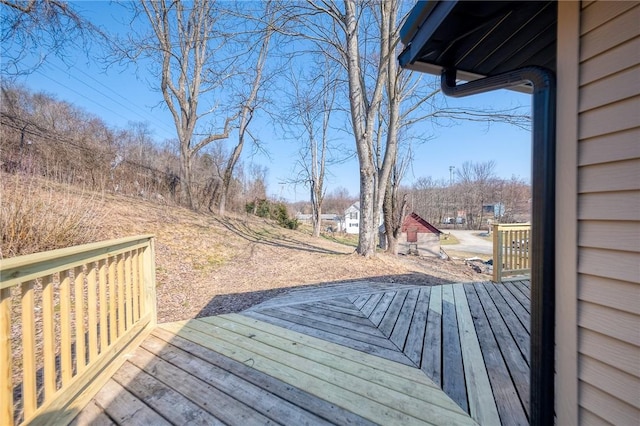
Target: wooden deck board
x=161, y=397
x=92, y=415
x=355, y=353
x=341, y=339
x=400, y=332
x=289, y=343
x=517, y=291
x=415, y=335
x=370, y=335
x=512, y=302
x=234, y=385
x=351, y=391
x=509, y=311
x=294, y=398
x=432, y=349
x=452, y=368
x=515, y=359
x=508, y=403
x=225, y=408
x=482, y=404
x=124, y=408
x=392, y=314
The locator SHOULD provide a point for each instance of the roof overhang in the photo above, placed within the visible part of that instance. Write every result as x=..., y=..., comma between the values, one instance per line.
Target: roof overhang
x=508, y=44
x=479, y=39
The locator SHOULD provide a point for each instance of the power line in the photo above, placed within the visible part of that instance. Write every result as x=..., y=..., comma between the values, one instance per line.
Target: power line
x=59, y=139
x=84, y=96
x=128, y=107
x=81, y=95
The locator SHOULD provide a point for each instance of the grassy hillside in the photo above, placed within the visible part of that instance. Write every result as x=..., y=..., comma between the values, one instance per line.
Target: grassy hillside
x=205, y=264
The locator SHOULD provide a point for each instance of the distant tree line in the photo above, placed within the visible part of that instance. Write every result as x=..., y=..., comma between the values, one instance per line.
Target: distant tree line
x=218, y=65
x=46, y=137
x=474, y=194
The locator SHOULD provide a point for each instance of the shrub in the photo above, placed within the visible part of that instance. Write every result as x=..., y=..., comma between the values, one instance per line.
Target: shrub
x=270, y=210
x=35, y=219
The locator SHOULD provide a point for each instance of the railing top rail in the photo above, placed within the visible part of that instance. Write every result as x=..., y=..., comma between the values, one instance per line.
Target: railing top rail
x=512, y=225
x=18, y=269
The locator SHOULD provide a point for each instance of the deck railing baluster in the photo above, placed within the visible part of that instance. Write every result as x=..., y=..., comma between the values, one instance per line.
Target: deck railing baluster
x=511, y=243
x=97, y=296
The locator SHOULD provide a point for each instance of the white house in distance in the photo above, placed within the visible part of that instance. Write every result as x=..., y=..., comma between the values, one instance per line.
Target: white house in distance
x=352, y=218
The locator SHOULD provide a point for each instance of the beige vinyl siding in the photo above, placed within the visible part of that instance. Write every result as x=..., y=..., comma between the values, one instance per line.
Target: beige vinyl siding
x=609, y=214
x=567, y=76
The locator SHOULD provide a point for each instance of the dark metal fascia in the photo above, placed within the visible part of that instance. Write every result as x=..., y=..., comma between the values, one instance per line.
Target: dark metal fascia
x=435, y=13
x=542, y=366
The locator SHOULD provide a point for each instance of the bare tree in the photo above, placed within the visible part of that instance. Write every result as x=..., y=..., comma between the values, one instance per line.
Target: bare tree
x=311, y=108
x=183, y=44
x=361, y=37
x=35, y=29
x=474, y=180
x=395, y=208
x=248, y=107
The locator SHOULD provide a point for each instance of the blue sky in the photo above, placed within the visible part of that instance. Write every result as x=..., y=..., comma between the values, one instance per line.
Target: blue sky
x=121, y=95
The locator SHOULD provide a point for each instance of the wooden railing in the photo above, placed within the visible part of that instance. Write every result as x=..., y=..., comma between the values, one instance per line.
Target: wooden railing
x=511, y=244
x=66, y=316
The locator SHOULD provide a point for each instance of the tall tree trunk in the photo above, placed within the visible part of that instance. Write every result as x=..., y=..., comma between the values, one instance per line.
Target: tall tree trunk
x=246, y=114
x=185, y=174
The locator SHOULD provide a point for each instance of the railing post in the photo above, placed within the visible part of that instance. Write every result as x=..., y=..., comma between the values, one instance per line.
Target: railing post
x=6, y=389
x=150, y=281
x=497, y=253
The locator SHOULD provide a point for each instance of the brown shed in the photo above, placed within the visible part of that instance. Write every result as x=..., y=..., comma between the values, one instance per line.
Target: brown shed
x=419, y=237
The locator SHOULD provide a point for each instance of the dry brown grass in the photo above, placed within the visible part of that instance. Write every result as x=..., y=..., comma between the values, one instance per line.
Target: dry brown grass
x=207, y=265
x=36, y=216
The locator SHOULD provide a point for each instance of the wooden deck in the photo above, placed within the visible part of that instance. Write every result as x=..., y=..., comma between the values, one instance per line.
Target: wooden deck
x=354, y=353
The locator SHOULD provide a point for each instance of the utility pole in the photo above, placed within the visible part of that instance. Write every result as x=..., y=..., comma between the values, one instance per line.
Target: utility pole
x=453, y=215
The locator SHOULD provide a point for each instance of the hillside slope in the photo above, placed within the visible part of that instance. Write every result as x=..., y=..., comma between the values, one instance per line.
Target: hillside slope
x=209, y=265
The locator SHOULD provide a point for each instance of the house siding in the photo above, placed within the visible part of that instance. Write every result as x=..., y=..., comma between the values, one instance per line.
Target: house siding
x=608, y=214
